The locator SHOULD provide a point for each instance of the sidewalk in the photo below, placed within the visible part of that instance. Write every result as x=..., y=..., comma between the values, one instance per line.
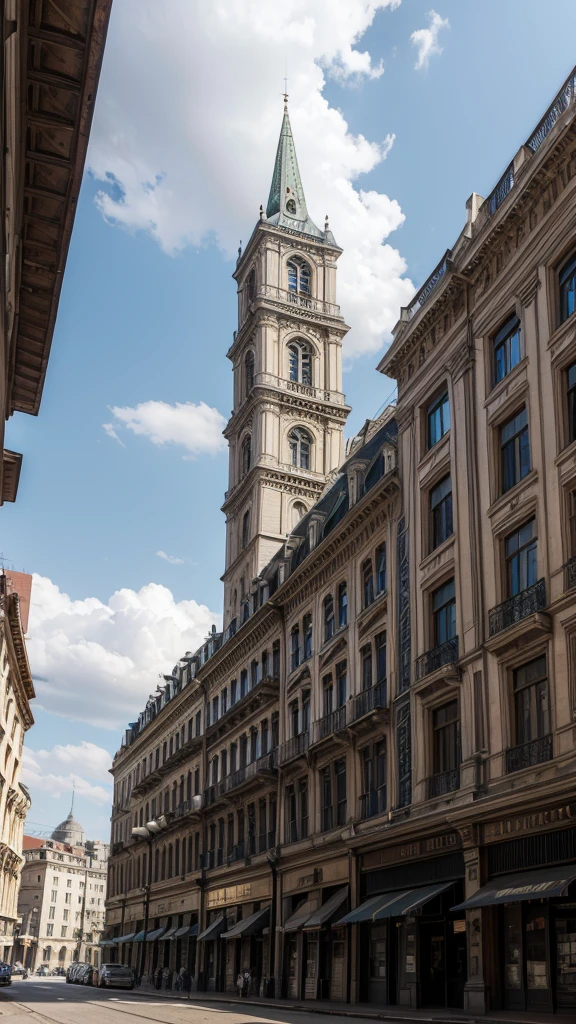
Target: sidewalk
x=359, y=1010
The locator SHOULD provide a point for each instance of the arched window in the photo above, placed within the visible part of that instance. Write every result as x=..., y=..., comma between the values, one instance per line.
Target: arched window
x=251, y=286
x=245, y=528
x=246, y=454
x=298, y=276
x=300, y=362
x=298, y=511
x=248, y=373
x=300, y=445
x=62, y=954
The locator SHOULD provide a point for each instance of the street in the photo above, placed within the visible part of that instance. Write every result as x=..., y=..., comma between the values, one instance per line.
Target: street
x=52, y=1001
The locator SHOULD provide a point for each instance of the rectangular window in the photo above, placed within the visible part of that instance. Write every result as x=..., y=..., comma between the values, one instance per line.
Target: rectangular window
x=366, y=655
x=441, y=512
x=571, y=397
x=342, y=605
x=329, y=621
x=381, y=568
x=53, y=896
x=373, y=800
x=291, y=826
x=307, y=629
x=49, y=929
x=198, y=723
x=254, y=670
x=444, y=612
x=327, y=695
x=380, y=649
x=51, y=913
x=233, y=692
x=438, y=419
x=305, y=710
x=367, y=583
x=243, y=683
x=276, y=659
x=65, y=915
x=215, y=703
x=326, y=799
x=507, y=348
x=63, y=931
x=303, y=799
x=567, y=283
x=521, y=559
x=295, y=647
x=224, y=701
x=295, y=717
x=341, y=684
x=69, y=883
x=531, y=703
x=340, y=779
x=446, y=738
x=514, y=450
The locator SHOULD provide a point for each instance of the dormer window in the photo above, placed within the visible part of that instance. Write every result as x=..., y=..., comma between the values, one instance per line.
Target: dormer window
x=300, y=362
x=298, y=273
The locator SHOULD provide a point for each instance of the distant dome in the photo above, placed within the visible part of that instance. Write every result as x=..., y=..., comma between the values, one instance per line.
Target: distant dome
x=69, y=831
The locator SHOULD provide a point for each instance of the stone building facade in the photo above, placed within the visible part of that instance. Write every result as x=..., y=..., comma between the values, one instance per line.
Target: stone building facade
x=62, y=899
x=362, y=790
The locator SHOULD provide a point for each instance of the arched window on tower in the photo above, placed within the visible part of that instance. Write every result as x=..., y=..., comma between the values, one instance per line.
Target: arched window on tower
x=245, y=529
x=246, y=454
x=300, y=445
x=248, y=373
x=298, y=276
x=298, y=510
x=300, y=362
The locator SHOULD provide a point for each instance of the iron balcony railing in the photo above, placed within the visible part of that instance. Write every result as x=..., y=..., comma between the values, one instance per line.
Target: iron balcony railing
x=368, y=700
x=270, y=291
x=429, y=285
x=561, y=102
x=570, y=574
x=295, y=747
x=266, y=763
x=444, y=782
x=334, y=722
x=444, y=654
x=373, y=802
x=527, y=754
x=516, y=608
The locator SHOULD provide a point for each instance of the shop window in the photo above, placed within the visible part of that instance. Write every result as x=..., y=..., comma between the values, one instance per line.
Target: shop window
x=507, y=348
x=438, y=418
x=367, y=583
x=444, y=613
x=521, y=559
x=329, y=621
x=342, y=605
x=441, y=512
x=567, y=287
x=514, y=450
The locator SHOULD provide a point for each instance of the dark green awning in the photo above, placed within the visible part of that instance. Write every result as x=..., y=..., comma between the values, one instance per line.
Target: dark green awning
x=250, y=925
x=394, y=904
x=523, y=885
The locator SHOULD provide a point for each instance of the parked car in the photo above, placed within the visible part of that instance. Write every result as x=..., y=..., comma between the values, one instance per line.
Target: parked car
x=83, y=975
x=42, y=971
x=115, y=976
x=5, y=973
x=72, y=972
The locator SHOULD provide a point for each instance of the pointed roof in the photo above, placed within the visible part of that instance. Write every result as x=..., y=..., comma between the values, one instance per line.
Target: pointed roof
x=286, y=203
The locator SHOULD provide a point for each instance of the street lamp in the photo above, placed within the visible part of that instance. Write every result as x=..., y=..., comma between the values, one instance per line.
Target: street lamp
x=147, y=833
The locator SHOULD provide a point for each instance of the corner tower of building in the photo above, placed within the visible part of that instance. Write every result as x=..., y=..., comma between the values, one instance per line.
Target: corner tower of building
x=285, y=433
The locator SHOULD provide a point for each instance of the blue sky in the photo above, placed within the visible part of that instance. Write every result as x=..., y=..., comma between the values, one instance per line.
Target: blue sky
x=148, y=305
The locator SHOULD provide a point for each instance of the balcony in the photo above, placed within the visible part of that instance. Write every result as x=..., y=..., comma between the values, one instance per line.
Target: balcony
x=177, y=757
x=570, y=574
x=525, y=755
x=520, y=618
x=259, y=770
x=295, y=748
x=257, y=697
x=329, y=726
x=289, y=298
x=369, y=707
x=443, y=783
x=373, y=802
x=444, y=654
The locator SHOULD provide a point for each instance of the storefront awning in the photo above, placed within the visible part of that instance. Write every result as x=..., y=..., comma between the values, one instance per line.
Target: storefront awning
x=107, y=942
x=329, y=910
x=394, y=904
x=126, y=938
x=140, y=936
x=523, y=885
x=299, y=917
x=156, y=934
x=170, y=933
x=250, y=925
x=213, y=930
x=189, y=931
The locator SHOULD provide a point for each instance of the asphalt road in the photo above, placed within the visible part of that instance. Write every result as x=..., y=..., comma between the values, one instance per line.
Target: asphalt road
x=51, y=1001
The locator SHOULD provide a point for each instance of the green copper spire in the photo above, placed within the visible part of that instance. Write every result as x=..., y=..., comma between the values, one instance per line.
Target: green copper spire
x=286, y=203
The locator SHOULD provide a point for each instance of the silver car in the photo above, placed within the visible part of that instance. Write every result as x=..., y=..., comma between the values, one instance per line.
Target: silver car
x=116, y=976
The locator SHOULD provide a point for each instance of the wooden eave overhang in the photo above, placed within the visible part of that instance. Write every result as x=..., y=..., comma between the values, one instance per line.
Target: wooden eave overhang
x=10, y=476
x=62, y=45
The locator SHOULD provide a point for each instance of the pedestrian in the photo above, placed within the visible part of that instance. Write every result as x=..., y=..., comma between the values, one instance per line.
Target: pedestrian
x=246, y=988
x=240, y=984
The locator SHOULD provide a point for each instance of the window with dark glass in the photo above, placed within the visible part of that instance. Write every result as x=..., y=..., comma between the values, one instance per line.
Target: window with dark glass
x=438, y=419
x=342, y=605
x=326, y=815
x=515, y=450
x=367, y=583
x=305, y=710
x=303, y=799
x=298, y=276
x=295, y=646
x=521, y=558
x=275, y=730
x=224, y=763
x=243, y=751
x=253, y=744
x=233, y=758
x=531, y=701
x=340, y=780
x=248, y=373
x=295, y=717
x=246, y=454
x=507, y=348
x=276, y=659
x=254, y=669
x=381, y=568
x=441, y=511
x=327, y=695
x=341, y=683
x=446, y=738
x=366, y=657
x=233, y=692
x=373, y=778
x=571, y=400
x=243, y=682
x=300, y=362
x=329, y=622
x=245, y=529
x=290, y=805
x=300, y=446
x=264, y=735
x=444, y=613
x=251, y=285
x=380, y=651
x=224, y=701
x=567, y=285
x=198, y=723
x=307, y=631
x=215, y=703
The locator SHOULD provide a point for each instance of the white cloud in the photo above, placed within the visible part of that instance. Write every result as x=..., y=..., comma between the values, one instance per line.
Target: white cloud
x=187, y=124
x=93, y=760
x=96, y=662
x=109, y=429
x=173, y=559
x=426, y=40
x=197, y=428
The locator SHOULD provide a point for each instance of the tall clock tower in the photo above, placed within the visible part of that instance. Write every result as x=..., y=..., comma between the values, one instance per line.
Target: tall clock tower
x=285, y=433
